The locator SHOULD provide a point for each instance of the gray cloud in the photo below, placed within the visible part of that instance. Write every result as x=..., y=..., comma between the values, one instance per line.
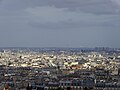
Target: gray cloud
x=73, y=25
x=59, y=23
x=88, y=6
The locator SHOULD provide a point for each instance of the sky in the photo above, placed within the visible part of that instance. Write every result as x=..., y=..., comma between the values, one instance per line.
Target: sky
x=60, y=23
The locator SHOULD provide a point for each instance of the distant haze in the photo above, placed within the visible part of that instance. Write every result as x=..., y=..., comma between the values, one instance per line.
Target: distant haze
x=60, y=23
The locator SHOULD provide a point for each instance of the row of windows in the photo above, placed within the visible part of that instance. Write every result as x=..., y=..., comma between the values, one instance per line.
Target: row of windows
x=70, y=84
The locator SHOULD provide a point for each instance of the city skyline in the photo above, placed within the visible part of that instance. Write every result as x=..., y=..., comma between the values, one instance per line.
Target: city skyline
x=64, y=23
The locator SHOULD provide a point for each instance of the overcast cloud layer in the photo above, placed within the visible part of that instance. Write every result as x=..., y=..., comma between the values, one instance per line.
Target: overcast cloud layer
x=59, y=23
